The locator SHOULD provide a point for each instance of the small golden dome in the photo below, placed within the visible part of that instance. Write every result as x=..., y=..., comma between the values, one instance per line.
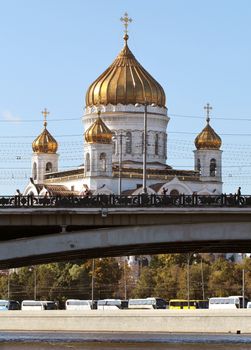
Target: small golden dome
x=98, y=132
x=208, y=139
x=45, y=142
x=125, y=82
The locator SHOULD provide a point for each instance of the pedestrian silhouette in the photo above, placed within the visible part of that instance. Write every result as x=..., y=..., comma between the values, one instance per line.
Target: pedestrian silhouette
x=239, y=191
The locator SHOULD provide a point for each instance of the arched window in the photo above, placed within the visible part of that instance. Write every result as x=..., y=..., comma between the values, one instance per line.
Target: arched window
x=164, y=146
x=102, y=162
x=34, y=171
x=198, y=165
x=174, y=193
x=156, y=144
x=87, y=162
x=128, y=142
x=48, y=167
x=213, y=167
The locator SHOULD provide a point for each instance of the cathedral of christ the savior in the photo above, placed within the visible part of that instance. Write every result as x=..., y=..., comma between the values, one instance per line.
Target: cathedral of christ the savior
x=124, y=107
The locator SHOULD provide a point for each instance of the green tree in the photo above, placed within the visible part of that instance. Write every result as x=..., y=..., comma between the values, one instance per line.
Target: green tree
x=222, y=278
x=145, y=285
x=167, y=280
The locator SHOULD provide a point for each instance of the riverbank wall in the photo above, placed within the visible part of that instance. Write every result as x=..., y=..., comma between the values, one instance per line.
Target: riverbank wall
x=174, y=321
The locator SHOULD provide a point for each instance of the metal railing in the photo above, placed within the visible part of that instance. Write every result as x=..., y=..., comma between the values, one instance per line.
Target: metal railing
x=125, y=201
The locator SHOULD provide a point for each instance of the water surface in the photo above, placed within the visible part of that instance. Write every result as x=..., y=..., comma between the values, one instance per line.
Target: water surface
x=121, y=341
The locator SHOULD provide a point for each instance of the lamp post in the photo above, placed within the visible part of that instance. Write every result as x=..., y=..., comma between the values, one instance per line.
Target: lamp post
x=189, y=256
x=119, y=138
x=188, y=279
x=35, y=283
x=145, y=104
x=243, y=284
x=202, y=279
x=34, y=270
x=93, y=269
x=125, y=282
x=8, y=286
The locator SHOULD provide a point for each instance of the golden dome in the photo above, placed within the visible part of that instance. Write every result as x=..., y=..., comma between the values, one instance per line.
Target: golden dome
x=98, y=132
x=125, y=82
x=45, y=142
x=208, y=139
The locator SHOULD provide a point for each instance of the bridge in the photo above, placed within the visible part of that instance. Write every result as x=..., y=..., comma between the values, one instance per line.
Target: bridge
x=46, y=229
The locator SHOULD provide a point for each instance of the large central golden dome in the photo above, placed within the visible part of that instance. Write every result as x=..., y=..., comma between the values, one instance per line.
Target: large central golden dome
x=125, y=82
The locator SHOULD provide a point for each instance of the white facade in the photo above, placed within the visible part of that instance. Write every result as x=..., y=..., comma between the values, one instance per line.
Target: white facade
x=208, y=163
x=42, y=164
x=128, y=120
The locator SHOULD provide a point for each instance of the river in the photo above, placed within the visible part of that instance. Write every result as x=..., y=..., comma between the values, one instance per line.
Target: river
x=122, y=341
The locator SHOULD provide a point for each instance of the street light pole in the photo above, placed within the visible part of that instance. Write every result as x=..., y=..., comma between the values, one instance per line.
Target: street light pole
x=120, y=163
x=33, y=270
x=125, y=282
x=188, y=280
x=243, y=283
x=145, y=148
x=119, y=139
x=202, y=280
x=93, y=268
x=8, y=292
x=35, y=283
x=243, y=288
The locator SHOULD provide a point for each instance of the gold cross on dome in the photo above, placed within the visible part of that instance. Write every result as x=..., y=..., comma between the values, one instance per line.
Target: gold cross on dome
x=126, y=20
x=45, y=112
x=208, y=108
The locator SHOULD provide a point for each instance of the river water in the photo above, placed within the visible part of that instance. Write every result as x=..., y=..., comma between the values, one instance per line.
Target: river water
x=122, y=341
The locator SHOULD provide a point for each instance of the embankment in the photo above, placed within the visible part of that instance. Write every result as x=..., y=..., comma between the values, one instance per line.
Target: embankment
x=192, y=321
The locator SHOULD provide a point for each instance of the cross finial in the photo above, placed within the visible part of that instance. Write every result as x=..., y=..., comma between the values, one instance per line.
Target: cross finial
x=208, y=108
x=45, y=112
x=126, y=20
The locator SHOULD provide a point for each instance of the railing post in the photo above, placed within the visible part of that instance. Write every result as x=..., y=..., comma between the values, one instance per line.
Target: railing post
x=110, y=200
x=183, y=200
x=17, y=201
x=195, y=197
x=30, y=201
x=153, y=199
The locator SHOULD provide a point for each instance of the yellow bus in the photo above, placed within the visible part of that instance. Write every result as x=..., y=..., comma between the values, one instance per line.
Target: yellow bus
x=179, y=304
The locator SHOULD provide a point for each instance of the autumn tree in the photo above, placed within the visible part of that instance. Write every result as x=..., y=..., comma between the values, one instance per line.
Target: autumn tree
x=222, y=278
x=146, y=284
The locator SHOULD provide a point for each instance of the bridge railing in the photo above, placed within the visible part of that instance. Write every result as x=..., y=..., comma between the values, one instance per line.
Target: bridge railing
x=123, y=201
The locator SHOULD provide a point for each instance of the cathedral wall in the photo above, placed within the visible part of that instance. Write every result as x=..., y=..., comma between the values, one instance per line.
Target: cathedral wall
x=129, y=121
x=43, y=163
x=203, y=159
x=186, y=187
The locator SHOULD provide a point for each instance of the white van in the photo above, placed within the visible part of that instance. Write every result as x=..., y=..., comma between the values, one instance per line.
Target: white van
x=109, y=304
x=224, y=303
x=77, y=304
x=147, y=303
x=31, y=305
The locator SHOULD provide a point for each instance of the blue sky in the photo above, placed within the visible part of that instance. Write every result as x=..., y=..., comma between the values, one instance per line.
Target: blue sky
x=51, y=50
